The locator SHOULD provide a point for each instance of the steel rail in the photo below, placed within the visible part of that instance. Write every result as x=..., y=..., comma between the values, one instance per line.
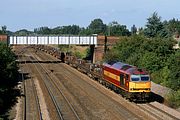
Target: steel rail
x=24, y=92
x=50, y=93
x=52, y=96
x=166, y=113
x=159, y=114
x=59, y=90
x=35, y=94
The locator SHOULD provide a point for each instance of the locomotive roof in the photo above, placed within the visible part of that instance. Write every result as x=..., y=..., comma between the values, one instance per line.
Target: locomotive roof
x=125, y=67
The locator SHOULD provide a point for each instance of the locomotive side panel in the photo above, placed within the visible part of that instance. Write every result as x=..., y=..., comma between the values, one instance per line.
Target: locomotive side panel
x=116, y=77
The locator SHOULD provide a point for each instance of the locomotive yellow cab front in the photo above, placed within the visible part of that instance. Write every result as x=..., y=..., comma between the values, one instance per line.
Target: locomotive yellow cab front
x=140, y=83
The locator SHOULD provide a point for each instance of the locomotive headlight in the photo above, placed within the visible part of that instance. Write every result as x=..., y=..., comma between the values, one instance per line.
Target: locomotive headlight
x=127, y=84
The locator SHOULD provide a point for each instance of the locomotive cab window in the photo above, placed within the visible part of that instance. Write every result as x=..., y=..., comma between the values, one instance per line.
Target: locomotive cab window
x=145, y=78
x=135, y=78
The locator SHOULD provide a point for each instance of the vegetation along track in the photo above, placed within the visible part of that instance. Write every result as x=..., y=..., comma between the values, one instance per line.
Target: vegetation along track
x=64, y=108
x=31, y=102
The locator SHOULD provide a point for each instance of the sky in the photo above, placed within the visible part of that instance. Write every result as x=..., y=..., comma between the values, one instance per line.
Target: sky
x=30, y=14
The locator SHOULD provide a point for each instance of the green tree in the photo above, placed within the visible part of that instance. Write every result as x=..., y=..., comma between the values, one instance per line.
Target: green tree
x=8, y=79
x=71, y=30
x=3, y=30
x=97, y=26
x=115, y=29
x=161, y=76
x=174, y=99
x=64, y=48
x=140, y=31
x=173, y=26
x=43, y=31
x=155, y=27
x=133, y=30
x=60, y=30
x=85, y=31
x=150, y=61
x=23, y=32
x=8, y=67
x=173, y=65
x=130, y=46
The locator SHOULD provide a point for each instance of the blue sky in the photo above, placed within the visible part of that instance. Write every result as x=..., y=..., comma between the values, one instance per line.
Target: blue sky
x=30, y=14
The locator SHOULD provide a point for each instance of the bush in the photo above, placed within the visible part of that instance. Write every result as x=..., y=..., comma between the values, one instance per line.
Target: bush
x=173, y=99
x=173, y=63
x=8, y=79
x=8, y=67
x=79, y=54
x=161, y=76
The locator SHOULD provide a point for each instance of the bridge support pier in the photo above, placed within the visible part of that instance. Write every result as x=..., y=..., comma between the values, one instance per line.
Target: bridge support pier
x=92, y=58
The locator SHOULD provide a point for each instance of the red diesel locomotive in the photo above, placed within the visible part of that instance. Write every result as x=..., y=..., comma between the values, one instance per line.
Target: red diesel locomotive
x=131, y=82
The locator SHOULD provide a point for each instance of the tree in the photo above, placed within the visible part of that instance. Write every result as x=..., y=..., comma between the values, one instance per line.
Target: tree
x=115, y=29
x=151, y=54
x=173, y=27
x=23, y=32
x=8, y=67
x=42, y=30
x=127, y=48
x=85, y=31
x=97, y=26
x=155, y=27
x=67, y=30
x=173, y=63
x=3, y=30
x=150, y=61
x=8, y=79
x=133, y=30
x=70, y=30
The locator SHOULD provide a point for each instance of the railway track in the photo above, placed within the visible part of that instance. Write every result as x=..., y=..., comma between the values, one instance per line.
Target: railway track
x=63, y=107
x=31, y=102
x=66, y=77
x=155, y=112
x=51, y=83
x=24, y=98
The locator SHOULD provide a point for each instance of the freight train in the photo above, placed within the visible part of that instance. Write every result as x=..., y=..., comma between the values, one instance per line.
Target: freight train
x=129, y=81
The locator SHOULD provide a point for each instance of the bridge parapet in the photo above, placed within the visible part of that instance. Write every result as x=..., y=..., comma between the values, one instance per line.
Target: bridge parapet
x=45, y=40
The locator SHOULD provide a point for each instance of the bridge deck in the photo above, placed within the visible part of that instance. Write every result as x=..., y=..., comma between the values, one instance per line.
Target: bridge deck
x=45, y=40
